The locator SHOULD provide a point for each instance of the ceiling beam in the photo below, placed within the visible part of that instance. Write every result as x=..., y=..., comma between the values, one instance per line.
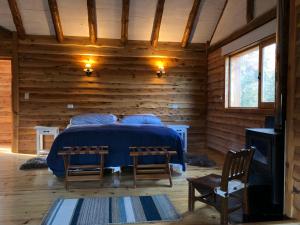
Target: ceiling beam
x=125, y=19
x=56, y=20
x=220, y=17
x=190, y=23
x=17, y=18
x=250, y=10
x=254, y=24
x=91, y=6
x=157, y=22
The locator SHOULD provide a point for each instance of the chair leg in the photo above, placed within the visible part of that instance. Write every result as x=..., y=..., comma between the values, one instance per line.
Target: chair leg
x=168, y=170
x=134, y=170
x=245, y=201
x=224, y=211
x=191, y=197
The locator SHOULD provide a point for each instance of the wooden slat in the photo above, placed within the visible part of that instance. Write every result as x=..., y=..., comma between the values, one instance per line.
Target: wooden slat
x=151, y=176
x=250, y=10
x=84, y=178
x=17, y=18
x=157, y=22
x=56, y=20
x=190, y=23
x=254, y=24
x=92, y=20
x=125, y=19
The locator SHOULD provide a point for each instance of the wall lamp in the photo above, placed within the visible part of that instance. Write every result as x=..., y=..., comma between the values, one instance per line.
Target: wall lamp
x=88, y=69
x=161, y=71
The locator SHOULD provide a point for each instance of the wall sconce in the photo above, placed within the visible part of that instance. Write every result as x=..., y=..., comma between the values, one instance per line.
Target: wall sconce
x=88, y=69
x=161, y=71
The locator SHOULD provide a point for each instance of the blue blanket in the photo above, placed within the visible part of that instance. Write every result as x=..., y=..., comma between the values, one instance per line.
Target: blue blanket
x=118, y=138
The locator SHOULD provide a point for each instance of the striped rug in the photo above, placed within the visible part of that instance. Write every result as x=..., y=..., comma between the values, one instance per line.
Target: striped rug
x=111, y=210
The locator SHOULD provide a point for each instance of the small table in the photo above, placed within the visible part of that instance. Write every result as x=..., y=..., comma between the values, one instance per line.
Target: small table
x=182, y=131
x=42, y=131
x=83, y=172
x=151, y=171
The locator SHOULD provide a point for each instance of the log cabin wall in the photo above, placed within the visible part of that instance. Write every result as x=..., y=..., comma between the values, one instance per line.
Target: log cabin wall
x=124, y=82
x=5, y=104
x=226, y=127
x=6, y=43
x=6, y=114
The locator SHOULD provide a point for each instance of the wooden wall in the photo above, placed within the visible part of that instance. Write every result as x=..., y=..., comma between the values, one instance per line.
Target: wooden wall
x=226, y=128
x=124, y=82
x=5, y=104
x=6, y=43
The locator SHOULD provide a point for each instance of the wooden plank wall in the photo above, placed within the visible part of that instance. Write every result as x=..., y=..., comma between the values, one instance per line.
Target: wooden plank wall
x=124, y=82
x=5, y=104
x=226, y=128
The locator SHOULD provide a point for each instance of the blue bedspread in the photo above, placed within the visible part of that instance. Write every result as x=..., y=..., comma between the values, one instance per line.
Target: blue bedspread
x=118, y=138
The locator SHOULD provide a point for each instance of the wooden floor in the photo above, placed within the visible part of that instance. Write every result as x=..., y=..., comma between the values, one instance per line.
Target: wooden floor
x=25, y=196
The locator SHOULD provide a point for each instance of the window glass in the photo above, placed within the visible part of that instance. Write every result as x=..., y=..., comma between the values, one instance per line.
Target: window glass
x=243, y=79
x=268, y=73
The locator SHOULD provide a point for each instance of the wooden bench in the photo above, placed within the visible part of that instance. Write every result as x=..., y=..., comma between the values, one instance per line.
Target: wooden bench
x=151, y=171
x=83, y=172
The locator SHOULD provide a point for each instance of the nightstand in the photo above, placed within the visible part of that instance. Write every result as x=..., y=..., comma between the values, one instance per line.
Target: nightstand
x=42, y=131
x=182, y=131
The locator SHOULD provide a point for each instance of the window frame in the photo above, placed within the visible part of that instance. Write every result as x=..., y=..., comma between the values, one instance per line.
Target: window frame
x=261, y=105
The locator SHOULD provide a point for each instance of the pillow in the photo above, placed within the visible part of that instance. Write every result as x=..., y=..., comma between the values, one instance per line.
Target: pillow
x=141, y=119
x=93, y=118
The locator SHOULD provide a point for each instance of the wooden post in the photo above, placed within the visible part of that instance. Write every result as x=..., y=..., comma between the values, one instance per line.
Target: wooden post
x=125, y=20
x=190, y=23
x=282, y=40
x=91, y=5
x=290, y=116
x=157, y=22
x=56, y=20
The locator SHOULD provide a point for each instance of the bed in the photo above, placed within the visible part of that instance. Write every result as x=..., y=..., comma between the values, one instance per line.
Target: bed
x=118, y=136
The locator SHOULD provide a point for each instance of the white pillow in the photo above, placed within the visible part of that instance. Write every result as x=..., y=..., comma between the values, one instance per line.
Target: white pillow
x=93, y=118
x=141, y=119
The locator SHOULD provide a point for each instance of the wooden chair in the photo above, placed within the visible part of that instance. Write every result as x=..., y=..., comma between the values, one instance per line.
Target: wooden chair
x=215, y=190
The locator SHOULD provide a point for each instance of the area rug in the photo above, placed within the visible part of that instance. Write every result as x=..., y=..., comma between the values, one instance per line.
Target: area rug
x=199, y=160
x=34, y=163
x=111, y=210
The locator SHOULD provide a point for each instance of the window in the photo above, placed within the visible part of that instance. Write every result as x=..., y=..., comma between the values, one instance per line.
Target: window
x=250, y=77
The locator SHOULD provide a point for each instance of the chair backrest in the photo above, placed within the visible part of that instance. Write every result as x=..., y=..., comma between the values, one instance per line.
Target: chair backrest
x=236, y=167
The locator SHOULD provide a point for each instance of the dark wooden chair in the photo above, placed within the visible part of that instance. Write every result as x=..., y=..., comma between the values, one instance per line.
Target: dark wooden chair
x=215, y=190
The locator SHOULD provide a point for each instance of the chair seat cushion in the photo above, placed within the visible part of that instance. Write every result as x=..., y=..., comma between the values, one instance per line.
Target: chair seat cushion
x=206, y=183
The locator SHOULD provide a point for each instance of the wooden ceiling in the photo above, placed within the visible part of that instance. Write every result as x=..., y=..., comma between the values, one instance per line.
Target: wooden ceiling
x=185, y=21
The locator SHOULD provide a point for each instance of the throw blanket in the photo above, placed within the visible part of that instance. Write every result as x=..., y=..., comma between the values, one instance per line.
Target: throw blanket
x=119, y=138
